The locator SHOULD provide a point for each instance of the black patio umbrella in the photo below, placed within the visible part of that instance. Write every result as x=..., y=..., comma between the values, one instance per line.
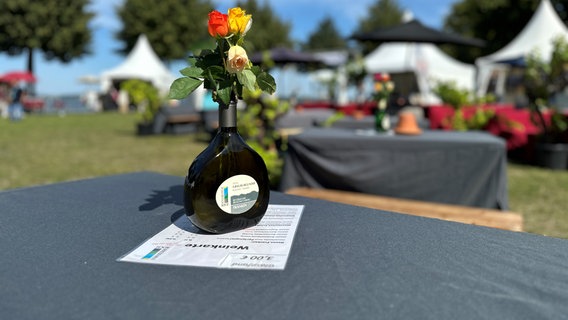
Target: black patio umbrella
x=415, y=31
x=282, y=56
x=285, y=57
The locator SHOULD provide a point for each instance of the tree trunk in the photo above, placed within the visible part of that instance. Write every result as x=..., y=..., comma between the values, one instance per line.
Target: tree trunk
x=31, y=86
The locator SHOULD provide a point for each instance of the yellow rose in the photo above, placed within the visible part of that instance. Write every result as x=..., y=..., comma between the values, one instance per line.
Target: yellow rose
x=237, y=59
x=239, y=21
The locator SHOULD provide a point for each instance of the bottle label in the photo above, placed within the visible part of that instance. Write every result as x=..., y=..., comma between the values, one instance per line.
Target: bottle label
x=237, y=194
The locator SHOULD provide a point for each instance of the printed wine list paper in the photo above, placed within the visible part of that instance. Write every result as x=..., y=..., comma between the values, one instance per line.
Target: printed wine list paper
x=264, y=246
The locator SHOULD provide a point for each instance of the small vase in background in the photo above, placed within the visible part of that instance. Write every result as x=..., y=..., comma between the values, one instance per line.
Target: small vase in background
x=383, y=88
x=382, y=119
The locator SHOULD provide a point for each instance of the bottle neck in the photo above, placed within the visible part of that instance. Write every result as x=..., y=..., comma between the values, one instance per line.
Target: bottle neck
x=228, y=114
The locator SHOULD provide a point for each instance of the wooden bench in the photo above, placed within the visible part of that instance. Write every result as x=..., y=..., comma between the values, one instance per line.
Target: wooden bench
x=182, y=123
x=478, y=216
x=183, y=118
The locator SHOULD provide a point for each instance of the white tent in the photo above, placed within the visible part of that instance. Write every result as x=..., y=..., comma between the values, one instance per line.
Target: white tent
x=141, y=63
x=543, y=27
x=429, y=64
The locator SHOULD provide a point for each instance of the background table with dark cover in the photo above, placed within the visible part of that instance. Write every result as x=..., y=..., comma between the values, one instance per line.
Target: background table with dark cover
x=463, y=168
x=60, y=243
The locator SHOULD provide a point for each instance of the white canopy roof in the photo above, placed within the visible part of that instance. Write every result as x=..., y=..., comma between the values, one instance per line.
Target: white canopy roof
x=428, y=62
x=540, y=31
x=141, y=63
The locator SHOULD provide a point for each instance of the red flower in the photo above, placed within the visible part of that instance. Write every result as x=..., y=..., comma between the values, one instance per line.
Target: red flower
x=218, y=25
x=382, y=77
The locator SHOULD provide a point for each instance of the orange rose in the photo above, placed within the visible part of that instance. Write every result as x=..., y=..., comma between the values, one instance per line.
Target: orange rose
x=218, y=25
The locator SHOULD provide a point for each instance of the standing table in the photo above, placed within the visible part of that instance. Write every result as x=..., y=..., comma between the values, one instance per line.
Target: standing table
x=462, y=168
x=60, y=243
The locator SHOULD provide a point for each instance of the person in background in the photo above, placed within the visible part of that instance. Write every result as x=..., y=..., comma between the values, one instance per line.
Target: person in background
x=123, y=101
x=15, y=109
x=4, y=100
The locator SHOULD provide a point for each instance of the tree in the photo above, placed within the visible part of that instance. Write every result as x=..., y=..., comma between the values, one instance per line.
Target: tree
x=326, y=36
x=382, y=14
x=269, y=31
x=58, y=28
x=173, y=27
x=496, y=21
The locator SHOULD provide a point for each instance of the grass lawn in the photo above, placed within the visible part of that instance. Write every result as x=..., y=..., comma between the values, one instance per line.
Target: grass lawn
x=46, y=149
x=541, y=195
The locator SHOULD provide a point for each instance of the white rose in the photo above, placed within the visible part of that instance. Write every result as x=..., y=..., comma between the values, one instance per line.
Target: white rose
x=237, y=59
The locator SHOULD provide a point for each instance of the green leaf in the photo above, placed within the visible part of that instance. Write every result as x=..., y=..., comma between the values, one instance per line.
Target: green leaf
x=266, y=83
x=209, y=59
x=193, y=72
x=212, y=76
x=256, y=70
x=247, y=79
x=191, y=61
x=182, y=87
x=239, y=89
x=224, y=94
x=216, y=72
x=224, y=90
x=206, y=52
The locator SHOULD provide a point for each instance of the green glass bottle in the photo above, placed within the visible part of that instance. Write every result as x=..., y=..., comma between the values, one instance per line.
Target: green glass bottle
x=227, y=186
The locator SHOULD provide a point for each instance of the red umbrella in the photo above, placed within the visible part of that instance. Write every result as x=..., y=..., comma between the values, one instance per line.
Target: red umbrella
x=18, y=76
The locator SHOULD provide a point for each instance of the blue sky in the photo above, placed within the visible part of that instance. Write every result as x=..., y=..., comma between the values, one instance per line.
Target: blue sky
x=55, y=78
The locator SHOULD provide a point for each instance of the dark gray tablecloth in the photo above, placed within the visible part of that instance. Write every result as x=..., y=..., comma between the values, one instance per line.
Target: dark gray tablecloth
x=60, y=242
x=303, y=119
x=368, y=122
x=464, y=168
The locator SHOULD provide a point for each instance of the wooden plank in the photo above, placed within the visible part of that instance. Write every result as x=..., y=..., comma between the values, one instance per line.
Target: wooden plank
x=286, y=132
x=478, y=216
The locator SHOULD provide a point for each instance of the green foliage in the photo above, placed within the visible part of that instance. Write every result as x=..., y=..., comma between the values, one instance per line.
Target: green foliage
x=542, y=79
x=257, y=124
x=326, y=37
x=270, y=31
x=559, y=123
x=333, y=118
x=382, y=14
x=273, y=161
x=450, y=94
x=57, y=28
x=478, y=121
x=143, y=95
x=556, y=131
x=497, y=22
x=545, y=80
x=536, y=79
x=208, y=69
x=173, y=27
